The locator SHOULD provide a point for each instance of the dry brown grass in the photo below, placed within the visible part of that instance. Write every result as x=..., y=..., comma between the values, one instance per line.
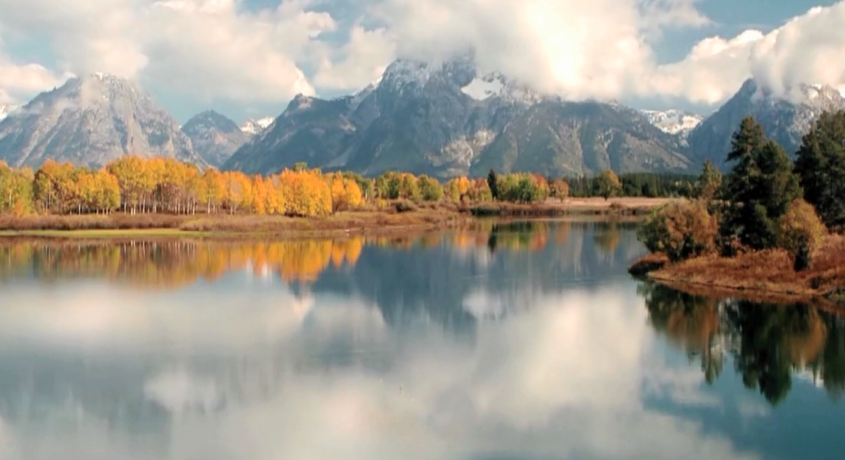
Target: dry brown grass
x=648, y=263
x=577, y=206
x=765, y=272
x=233, y=225
x=92, y=222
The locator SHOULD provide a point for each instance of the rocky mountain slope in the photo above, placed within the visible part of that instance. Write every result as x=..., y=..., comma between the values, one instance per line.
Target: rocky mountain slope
x=448, y=121
x=785, y=121
x=214, y=137
x=91, y=121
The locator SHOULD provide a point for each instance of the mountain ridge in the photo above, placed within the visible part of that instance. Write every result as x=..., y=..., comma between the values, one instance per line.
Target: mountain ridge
x=448, y=121
x=214, y=136
x=783, y=120
x=92, y=120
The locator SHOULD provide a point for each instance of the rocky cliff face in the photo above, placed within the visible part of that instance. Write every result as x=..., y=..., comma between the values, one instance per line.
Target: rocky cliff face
x=91, y=121
x=785, y=121
x=214, y=137
x=448, y=121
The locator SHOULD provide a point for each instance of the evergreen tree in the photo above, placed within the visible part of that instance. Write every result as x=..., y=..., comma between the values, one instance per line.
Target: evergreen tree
x=709, y=183
x=821, y=167
x=493, y=183
x=760, y=187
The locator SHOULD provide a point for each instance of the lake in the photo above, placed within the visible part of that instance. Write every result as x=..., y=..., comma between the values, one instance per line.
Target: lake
x=503, y=341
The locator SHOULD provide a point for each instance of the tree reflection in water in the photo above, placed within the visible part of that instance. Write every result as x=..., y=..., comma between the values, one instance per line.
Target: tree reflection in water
x=768, y=343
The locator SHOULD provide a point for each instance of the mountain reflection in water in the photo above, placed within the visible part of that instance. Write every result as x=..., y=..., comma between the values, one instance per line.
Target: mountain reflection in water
x=501, y=341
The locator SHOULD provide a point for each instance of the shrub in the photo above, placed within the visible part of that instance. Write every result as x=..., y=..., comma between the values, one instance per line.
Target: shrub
x=680, y=230
x=800, y=230
x=405, y=206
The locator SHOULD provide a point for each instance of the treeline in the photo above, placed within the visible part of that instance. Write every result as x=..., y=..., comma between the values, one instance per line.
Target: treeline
x=134, y=185
x=138, y=185
x=649, y=185
x=766, y=200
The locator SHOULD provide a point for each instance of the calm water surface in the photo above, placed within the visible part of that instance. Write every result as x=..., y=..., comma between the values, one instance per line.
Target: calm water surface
x=520, y=341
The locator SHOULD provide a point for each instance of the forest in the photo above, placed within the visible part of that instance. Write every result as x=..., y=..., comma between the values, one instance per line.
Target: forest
x=138, y=185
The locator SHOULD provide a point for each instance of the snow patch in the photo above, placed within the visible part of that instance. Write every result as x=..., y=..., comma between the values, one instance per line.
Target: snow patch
x=673, y=121
x=484, y=88
x=253, y=126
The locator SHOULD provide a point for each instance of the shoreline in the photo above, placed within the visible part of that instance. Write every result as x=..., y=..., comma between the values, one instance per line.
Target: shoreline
x=385, y=222
x=766, y=276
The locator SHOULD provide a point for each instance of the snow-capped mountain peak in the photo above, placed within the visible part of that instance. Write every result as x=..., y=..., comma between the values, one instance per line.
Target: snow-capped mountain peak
x=253, y=126
x=673, y=121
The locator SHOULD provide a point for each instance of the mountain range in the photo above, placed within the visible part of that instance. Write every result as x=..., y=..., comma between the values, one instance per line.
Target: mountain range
x=445, y=120
x=448, y=120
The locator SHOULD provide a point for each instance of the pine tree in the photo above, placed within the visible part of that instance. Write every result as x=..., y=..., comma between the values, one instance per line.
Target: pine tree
x=760, y=187
x=493, y=183
x=820, y=164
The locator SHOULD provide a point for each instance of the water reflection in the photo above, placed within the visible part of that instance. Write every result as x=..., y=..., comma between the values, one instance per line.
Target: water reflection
x=768, y=343
x=503, y=341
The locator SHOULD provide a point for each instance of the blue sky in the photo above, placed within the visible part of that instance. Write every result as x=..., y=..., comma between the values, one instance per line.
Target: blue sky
x=248, y=58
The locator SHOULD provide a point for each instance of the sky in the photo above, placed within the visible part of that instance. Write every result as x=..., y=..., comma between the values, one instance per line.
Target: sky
x=249, y=58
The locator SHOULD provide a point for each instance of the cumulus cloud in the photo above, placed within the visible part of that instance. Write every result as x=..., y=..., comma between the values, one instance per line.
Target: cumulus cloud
x=808, y=49
x=603, y=49
x=711, y=73
x=214, y=48
x=578, y=49
x=358, y=63
x=208, y=48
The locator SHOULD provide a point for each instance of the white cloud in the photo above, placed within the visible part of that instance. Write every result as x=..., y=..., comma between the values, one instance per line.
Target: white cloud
x=569, y=47
x=711, y=73
x=221, y=50
x=358, y=63
x=808, y=49
x=214, y=49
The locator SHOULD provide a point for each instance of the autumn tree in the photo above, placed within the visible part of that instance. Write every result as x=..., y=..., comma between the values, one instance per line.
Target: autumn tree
x=345, y=192
x=559, y=189
x=680, y=230
x=800, y=231
x=608, y=184
x=212, y=189
x=15, y=190
x=430, y=189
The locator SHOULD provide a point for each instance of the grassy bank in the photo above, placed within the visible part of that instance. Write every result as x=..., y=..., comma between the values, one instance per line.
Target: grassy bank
x=572, y=206
x=765, y=275
x=122, y=225
x=385, y=221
